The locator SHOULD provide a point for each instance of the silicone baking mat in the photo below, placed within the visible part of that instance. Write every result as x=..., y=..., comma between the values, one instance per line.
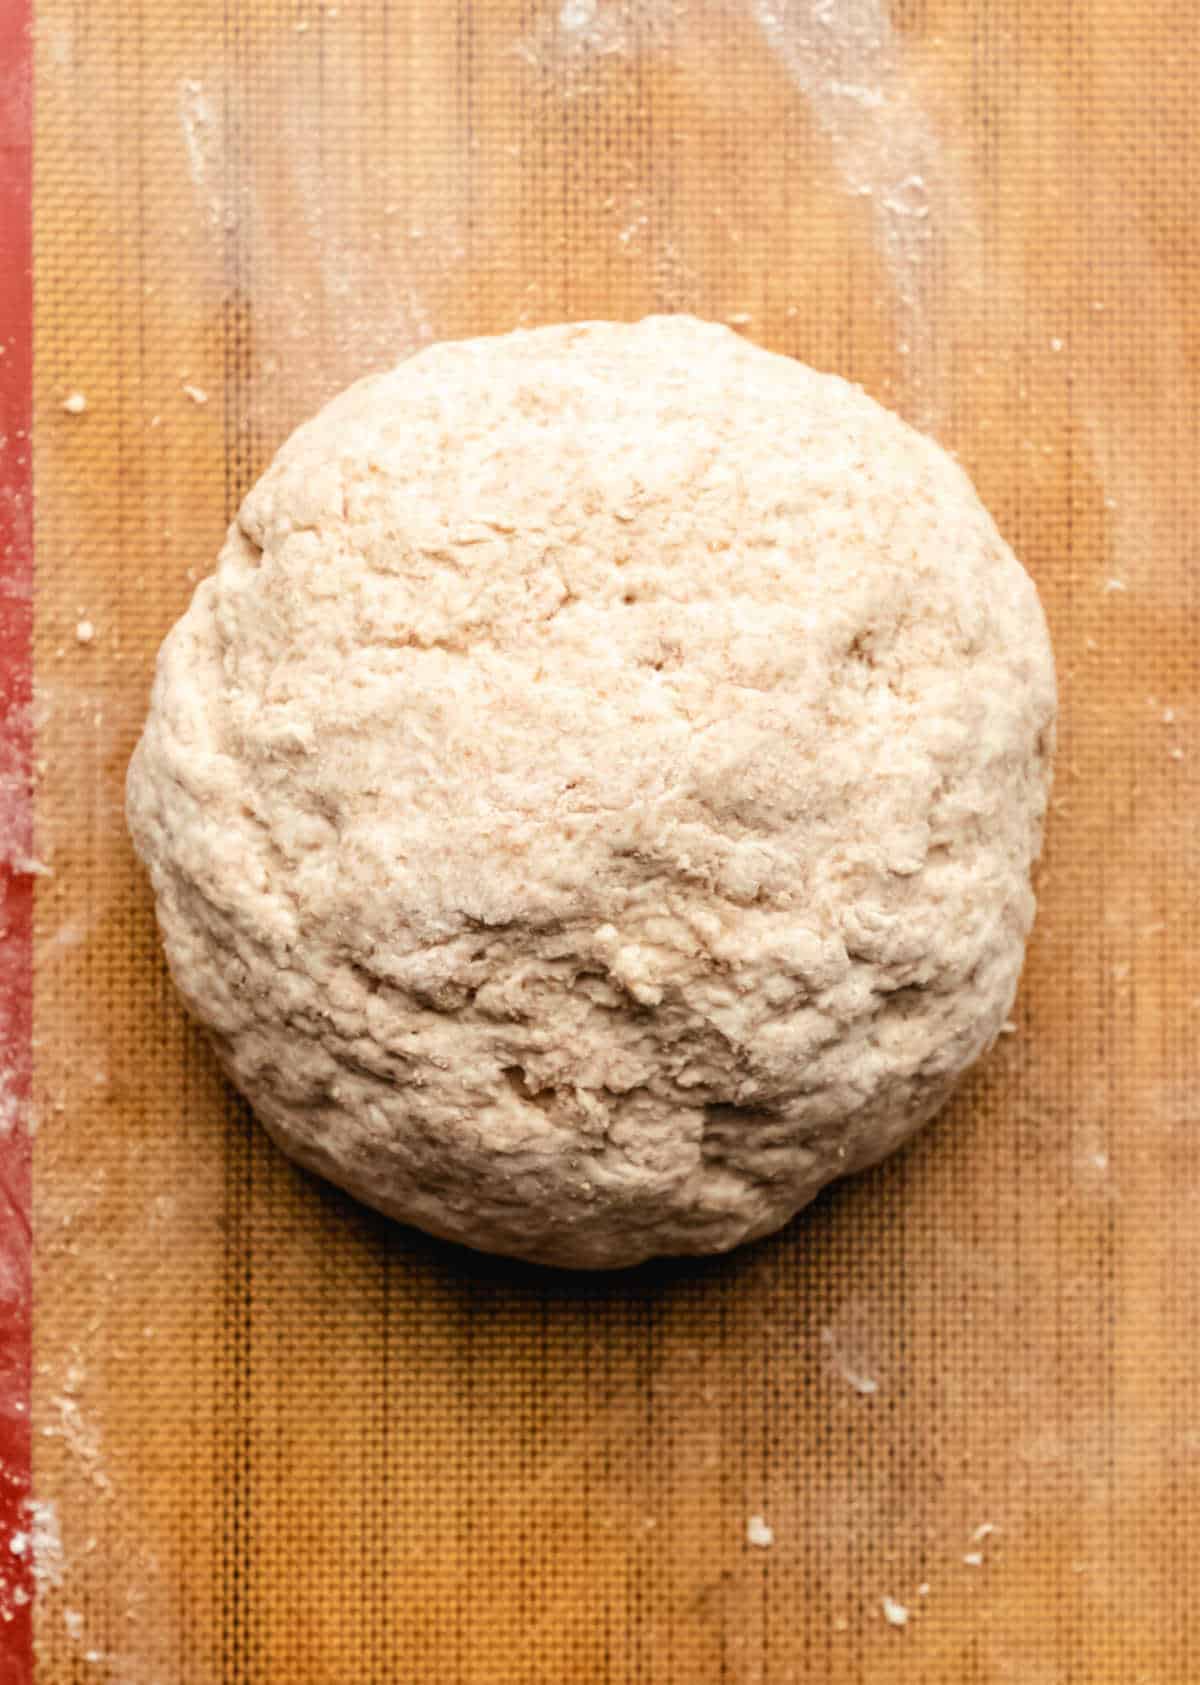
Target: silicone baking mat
x=276, y=1438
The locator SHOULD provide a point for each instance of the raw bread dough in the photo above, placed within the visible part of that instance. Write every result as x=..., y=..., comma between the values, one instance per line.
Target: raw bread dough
x=592, y=804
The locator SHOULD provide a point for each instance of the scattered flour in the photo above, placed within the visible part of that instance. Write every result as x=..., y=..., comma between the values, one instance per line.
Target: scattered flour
x=567, y=48
x=332, y=288
x=846, y=59
x=46, y=1539
x=80, y=1436
x=850, y=1370
x=13, y=1107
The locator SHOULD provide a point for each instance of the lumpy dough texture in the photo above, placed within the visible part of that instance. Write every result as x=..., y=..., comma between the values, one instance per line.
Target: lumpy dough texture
x=592, y=804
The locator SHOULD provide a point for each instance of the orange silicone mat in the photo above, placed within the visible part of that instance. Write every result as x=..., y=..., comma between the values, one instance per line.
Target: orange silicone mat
x=278, y=1439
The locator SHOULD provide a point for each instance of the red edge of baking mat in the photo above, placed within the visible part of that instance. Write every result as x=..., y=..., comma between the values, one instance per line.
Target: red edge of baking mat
x=16, y=830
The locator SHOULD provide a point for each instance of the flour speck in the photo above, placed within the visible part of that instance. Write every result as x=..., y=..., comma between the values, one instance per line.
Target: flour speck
x=46, y=1538
x=577, y=15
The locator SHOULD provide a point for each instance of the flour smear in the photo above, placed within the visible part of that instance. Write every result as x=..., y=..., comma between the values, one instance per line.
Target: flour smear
x=844, y=57
x=328, y=255
x=847, y=63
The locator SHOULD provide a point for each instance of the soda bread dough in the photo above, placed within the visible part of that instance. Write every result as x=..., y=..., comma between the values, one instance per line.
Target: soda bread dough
x=592, y=804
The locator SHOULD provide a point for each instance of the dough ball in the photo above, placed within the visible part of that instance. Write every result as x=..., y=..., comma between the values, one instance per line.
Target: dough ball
x=592, y=804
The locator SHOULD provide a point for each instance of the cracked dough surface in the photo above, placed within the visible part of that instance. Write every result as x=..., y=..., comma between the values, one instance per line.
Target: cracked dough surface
x=592, y=804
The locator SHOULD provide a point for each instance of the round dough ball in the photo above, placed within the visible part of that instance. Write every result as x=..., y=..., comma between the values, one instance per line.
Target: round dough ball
x=592, y=804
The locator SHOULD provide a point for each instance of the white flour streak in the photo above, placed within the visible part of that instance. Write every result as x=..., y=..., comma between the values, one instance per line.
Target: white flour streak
x=1146, y=507
x=846, y=61
x=48, y=1563
x=81, y=1437
x=13, y=1113
x=202, y=138
x=331, y=285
